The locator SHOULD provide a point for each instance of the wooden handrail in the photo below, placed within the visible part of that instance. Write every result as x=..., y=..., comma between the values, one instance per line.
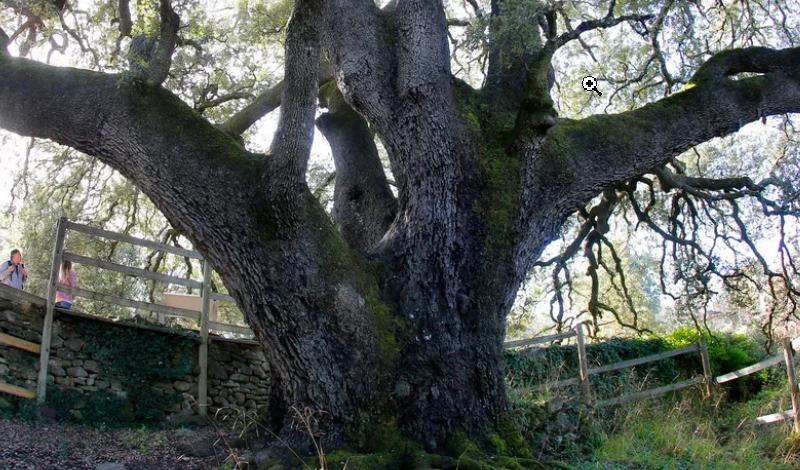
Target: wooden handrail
x=133, y=240
x=171, y=311
x=644, y=360
x=243, y=330
x=745, y=371
x=539, y=340
x=138, y=272
x=222, y=297
x=16, y=295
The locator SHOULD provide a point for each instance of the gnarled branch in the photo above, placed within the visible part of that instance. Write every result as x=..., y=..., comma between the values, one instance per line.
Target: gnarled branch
x=150, y=58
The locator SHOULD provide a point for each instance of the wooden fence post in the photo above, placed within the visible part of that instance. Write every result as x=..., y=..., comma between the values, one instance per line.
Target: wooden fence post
x=584, y=366
x=202, y=381
x=789, y=356
x=707, y=373
x=47, y=330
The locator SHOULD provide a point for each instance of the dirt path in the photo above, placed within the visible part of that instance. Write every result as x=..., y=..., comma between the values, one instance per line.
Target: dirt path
x=32, y=446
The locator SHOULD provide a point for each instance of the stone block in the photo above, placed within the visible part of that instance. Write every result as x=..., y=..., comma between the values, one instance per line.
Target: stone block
x=239, y=397
x=181, y=386
x=74, y=344
x=77, y=372
x=9, y=316
x=221, y=401
x=101, y=384
x=65, y=353
x=64, y=381
x=57, y=370
x=91, y=366
x=77, y=362
x=32, y=336
x=56, y=342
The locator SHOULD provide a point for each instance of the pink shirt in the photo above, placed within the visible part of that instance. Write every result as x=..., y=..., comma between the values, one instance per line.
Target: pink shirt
x=72, y=281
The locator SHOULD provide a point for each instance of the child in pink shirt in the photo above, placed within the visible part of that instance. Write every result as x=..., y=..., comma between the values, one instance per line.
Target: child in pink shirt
x=68, y=278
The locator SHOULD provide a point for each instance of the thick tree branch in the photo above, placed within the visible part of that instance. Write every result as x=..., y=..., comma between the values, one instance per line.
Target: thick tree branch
x=704, y=188
x=295, y=134
x=423, y=55
x=614, y=148
x=752, y=60
x=264, y=104
x=125, y=23
x=363, y=204
x=508, y=63
x=355, y=35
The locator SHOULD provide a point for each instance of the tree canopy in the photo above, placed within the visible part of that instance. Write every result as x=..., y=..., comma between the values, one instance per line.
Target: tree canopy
x=229, y=63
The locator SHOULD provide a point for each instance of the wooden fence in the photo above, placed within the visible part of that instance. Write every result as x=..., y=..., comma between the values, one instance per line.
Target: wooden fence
x=59, y=255
x=585, y=372
x=787, y=358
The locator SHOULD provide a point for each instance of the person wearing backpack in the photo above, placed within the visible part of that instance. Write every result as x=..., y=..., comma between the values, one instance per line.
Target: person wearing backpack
x=13, y=272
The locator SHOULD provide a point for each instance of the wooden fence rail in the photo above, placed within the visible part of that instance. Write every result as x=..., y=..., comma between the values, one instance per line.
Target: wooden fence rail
x=18, y=343
x=644, y=360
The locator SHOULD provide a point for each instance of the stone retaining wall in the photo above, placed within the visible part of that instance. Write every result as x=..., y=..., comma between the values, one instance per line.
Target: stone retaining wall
x=238, y=374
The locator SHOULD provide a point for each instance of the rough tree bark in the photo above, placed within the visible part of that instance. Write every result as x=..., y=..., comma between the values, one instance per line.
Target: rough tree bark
x=394, y=317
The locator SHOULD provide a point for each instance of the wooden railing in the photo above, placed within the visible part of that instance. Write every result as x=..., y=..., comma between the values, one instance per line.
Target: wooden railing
x=787, y=358
x=585, y=372
x=204, y=285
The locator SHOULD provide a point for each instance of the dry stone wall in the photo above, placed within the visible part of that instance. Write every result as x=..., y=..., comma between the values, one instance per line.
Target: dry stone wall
x=238, y=374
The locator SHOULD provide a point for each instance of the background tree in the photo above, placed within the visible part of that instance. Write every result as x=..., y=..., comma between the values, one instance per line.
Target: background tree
x=391, y=312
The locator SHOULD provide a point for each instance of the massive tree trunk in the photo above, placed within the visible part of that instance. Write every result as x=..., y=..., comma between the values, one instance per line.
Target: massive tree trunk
x=393, y=318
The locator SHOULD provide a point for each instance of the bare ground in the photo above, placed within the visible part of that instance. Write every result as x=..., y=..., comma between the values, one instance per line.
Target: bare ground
x=53, y=446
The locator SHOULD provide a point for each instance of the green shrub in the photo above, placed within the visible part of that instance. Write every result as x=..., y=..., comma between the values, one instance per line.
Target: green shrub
x=727, y=353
